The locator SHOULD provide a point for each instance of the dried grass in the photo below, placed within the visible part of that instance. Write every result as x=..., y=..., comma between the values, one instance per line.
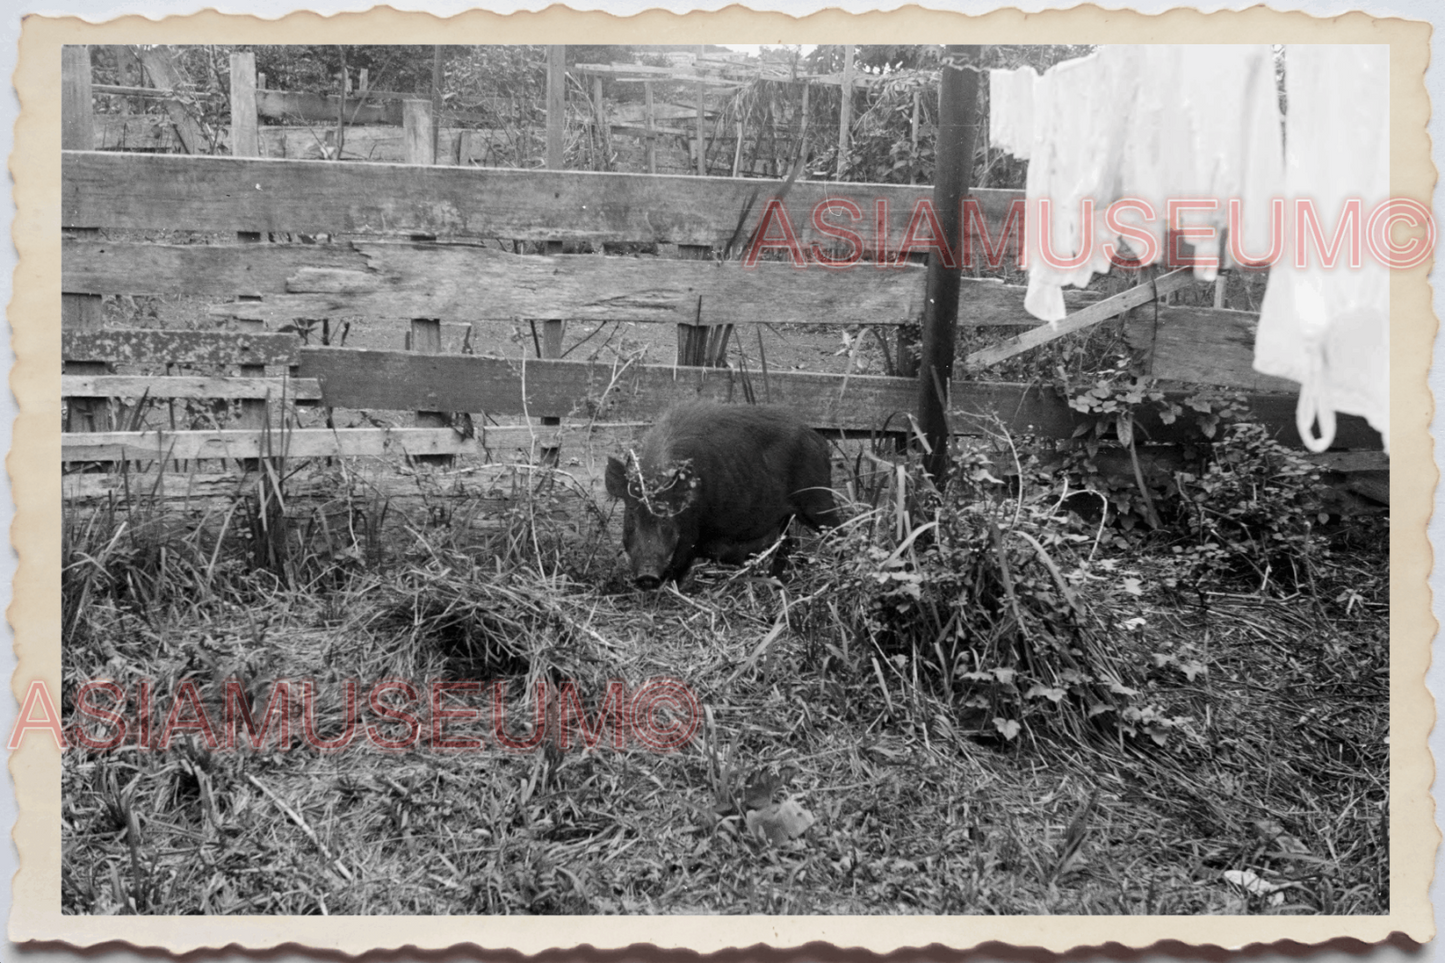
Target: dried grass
x=1258, y=736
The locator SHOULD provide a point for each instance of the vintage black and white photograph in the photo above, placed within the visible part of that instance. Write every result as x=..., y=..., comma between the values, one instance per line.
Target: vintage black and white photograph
x=718, y=479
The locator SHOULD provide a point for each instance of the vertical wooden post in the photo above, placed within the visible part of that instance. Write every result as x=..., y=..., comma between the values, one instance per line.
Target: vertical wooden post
x=697, y=344
x=556, y=105
x=845, y=112
x=245, y=137
x=425, y=336
x=604, y=129
x=1221, y=279
x=701, y=118
x=913, y=136
x=128, y=72
x=738, y=147
x=80, y=312
x=436, y=102
x=803, y=127
x=246, y=142
x=416, y=126
x=165, y=76
x=341, y=104
x=957, y=128
x=651, y=135
x=556, y=127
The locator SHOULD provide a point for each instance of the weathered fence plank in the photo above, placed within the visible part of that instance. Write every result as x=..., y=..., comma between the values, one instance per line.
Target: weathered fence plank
x=135, y=132
x=153, y=446
x=250, y=443
x=162, y=192
x=133, y=267
x=397, y=380
x=470, y=283
x=307, y=491
x=139, y=346
x=188, y=386
x=166, y=76
x=1094, y=314
x=157, y=446
x=456, y=283
x=296, y=105
x=1203, y=345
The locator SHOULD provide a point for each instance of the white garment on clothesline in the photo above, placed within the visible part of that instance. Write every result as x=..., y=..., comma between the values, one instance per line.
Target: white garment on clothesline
x=1329, y=328
x=1150, y=122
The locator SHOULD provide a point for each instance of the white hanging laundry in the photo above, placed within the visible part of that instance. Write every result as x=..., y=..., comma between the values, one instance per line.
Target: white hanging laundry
x=1081, y=111
x=1011, y=110
x=1329, y=327
x=1152, y=122
x=1229, y=97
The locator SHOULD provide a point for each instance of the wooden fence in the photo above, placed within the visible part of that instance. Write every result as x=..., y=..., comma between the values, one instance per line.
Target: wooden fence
x=406, y=246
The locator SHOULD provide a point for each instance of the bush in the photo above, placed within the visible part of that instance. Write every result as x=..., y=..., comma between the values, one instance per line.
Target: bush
x=966, y=596
x=1251, y=513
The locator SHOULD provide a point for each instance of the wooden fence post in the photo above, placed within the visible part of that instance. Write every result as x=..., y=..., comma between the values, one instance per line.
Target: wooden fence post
x=436, y=103
x=845, y=112
x=80, y=312
x=425, y=336
x=701, y=118
x=957, y=119
x=648, y=122
x=604, y=130
x=246, y=142
x=551, y=346
x=165, y=76
x=699, y=344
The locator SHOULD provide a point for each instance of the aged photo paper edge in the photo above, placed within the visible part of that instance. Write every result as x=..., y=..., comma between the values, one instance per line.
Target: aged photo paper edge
x=34, y=465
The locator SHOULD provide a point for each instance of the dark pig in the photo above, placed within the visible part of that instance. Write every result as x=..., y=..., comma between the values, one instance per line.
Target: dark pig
x=720, y=482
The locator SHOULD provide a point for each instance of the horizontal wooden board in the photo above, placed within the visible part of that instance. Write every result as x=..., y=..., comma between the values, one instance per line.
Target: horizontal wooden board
x=398, y=380
x=473, y=283
x=403, y=443
x=169, y=192
x=466, y=282
x=377, y=107
x=181, y=386
x=297, y=106
x=1202, y=345
x=387, y=145
x=295, y=443
x=494, y=491
x=1350, y=461
x=134, y=132
x=1093, y=314
x=140, y=346
x=133, y=267
x=156, y=132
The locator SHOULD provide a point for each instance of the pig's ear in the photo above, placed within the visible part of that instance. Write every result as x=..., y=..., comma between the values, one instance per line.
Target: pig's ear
x=616, y=478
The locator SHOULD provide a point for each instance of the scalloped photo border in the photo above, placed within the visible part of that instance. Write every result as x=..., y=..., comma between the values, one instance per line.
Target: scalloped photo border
x=34, y=461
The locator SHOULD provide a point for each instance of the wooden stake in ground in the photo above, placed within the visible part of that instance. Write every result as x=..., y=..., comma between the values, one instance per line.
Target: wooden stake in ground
x=957, y=122
x=845, y=112
x=701, y=120
x=80, y=312
x=551, y=346
x=651, y=134
x=246, y=142
x=425, y=336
